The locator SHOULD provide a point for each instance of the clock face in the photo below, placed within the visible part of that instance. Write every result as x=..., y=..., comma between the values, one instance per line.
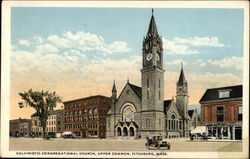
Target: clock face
x=157, y=57
x=149, y=56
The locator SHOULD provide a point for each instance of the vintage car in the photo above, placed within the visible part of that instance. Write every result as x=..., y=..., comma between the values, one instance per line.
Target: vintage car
x=157, y=142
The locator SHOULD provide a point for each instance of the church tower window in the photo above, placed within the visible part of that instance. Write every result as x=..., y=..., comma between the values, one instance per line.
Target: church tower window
x=147, y=88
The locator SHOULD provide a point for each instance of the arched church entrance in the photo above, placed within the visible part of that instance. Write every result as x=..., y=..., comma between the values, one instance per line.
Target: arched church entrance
x=125, y=131
x=131, y=131
x=119, y=131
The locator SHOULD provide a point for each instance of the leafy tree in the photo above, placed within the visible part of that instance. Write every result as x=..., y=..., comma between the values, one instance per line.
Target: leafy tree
x=42, y=102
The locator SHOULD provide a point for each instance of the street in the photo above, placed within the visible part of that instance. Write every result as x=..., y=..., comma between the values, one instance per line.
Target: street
x=60, y=144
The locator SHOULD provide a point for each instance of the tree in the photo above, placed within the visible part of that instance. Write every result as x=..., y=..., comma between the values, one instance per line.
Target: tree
x=42, y=102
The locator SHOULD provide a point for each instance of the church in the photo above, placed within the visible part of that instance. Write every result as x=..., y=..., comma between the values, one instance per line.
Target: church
x=142, y=111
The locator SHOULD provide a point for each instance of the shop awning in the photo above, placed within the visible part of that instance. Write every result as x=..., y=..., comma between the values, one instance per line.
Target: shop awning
x=199, y=129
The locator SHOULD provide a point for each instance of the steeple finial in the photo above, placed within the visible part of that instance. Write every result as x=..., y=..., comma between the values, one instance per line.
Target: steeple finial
x=114, y=87
x=152, y=29
x=182, y=77
x=127, y=80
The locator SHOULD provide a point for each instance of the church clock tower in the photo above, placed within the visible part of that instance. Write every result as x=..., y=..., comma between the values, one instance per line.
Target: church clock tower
x=152, y=76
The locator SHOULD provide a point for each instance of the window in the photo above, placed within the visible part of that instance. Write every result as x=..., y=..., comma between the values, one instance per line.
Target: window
x=224, y=93
x=95, y=111
x=220, y=114
x=148, y=123
x=240, y=113
x=80, y=112
x=147, y=88
x=90, y=111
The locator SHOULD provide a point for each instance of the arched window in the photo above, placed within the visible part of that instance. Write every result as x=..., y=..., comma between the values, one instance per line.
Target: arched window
x=119, y=131
x=85, y=111
x=173, y=116
x=71, y=113
x=125, y=131
x=79, y=112
x=131, y=131
x=90, y=111
x=128, y=113
x=95, y=111
x=75, y=113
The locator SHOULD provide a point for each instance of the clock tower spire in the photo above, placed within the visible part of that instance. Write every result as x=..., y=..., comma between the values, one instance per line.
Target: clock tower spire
x=152, y=76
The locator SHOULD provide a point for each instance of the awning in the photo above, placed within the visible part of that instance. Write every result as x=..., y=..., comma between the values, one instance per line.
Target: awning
x=67, y=133
x=199, y=129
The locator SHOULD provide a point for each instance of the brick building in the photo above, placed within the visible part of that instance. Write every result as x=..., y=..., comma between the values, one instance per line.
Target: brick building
x=86, y=117
x=20, y=127
x=221, y=110
x=54, y=127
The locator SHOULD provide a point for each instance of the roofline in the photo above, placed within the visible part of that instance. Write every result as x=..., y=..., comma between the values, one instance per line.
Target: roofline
x=221, y=100
x=227, y=87
x=89, y=97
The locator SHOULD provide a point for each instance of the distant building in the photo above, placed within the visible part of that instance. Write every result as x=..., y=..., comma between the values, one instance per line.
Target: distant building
x=86, y=117
x=55, y=124
x=221, y=110
x=20, y=127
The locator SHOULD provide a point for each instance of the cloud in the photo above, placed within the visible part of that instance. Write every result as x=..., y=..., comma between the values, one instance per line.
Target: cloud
x=46, y=48
x=177, y=62
x=200, y=62
x=171, y=47
x=187, y=46
x=199, y=41
x=24, y=43
x=229, y=62
x=87, y=42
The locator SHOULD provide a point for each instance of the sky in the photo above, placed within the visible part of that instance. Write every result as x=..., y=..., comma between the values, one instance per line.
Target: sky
x=79, y=52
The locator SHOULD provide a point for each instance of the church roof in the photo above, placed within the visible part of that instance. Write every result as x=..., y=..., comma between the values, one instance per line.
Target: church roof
x=212, y=94
x=138, y=90
x=182, y=77
x=152, y=29
x=167, y=104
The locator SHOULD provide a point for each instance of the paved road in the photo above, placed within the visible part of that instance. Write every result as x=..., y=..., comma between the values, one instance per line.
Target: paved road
x=38, y=144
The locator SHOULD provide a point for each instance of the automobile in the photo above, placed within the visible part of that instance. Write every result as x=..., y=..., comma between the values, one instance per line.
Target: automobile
x=157, y=142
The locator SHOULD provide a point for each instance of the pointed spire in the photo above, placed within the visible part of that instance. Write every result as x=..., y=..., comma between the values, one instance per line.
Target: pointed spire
x=127, y=80
x=114, y=87
x=182, y=76
x=152, y=29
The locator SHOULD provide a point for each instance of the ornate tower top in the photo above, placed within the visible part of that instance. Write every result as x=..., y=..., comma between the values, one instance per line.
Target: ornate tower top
x=182, y=79
x=152, y=29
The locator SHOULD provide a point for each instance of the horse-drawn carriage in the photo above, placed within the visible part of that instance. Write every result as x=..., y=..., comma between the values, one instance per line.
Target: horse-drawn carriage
x=157, y=142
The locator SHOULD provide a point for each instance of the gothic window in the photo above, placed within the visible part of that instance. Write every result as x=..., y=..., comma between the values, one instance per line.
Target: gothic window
x=147, y=88
x=128, y=113
x=148, y=123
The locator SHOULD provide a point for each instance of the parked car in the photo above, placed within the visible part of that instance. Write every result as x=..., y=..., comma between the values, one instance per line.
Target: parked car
x=157, y=142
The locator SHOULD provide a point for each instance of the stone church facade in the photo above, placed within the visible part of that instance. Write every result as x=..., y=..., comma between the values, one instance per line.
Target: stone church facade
x=142, y=111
